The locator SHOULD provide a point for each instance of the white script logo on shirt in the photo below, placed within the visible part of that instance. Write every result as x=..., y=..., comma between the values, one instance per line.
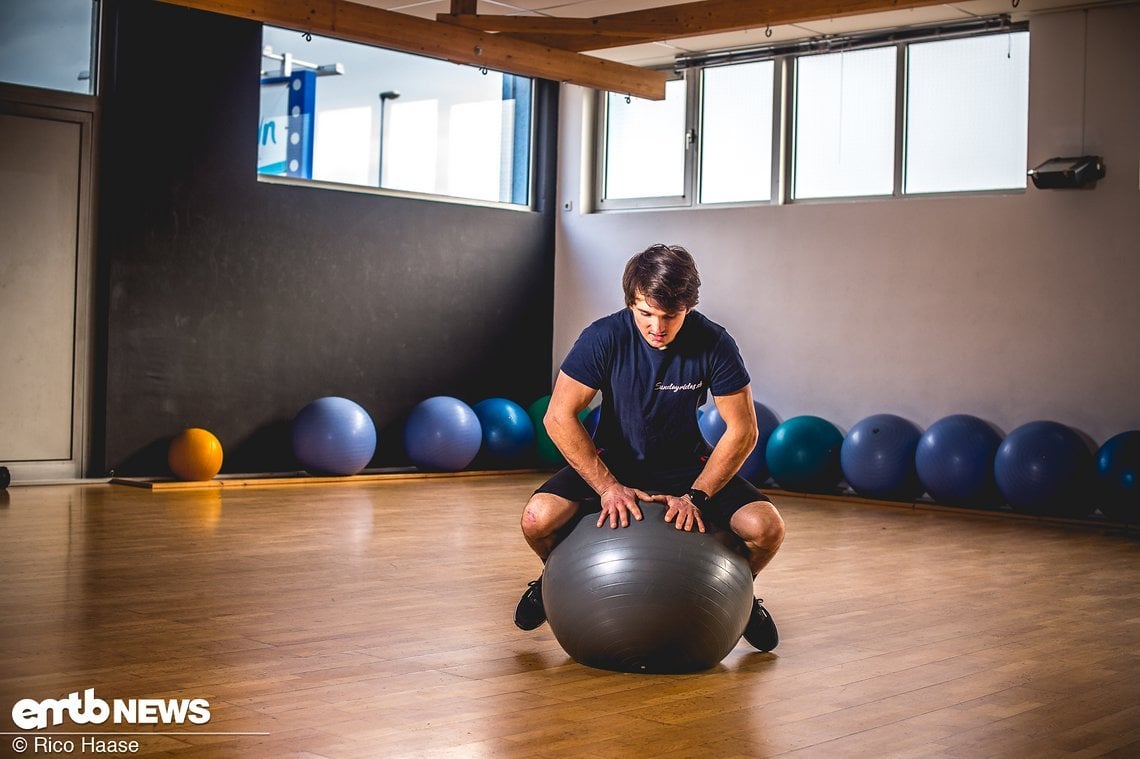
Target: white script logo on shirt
x=673, y=388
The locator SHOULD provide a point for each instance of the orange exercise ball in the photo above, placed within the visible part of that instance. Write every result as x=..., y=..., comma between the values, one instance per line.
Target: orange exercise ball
x=194, y=454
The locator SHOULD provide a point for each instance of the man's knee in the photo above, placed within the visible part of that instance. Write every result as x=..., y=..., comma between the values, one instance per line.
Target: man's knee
x=759, y=524
x=544, y=514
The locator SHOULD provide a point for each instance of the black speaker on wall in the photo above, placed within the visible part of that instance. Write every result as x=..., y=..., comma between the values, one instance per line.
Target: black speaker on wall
x=1068, y=173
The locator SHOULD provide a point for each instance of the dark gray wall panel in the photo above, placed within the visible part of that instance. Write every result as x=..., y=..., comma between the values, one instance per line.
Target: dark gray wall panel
x=230, y=303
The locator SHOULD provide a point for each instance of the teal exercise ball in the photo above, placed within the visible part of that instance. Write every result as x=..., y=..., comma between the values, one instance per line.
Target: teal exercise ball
x=803, y=454
x=548, y=452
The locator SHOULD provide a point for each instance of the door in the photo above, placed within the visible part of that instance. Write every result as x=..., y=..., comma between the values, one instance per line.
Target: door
x=45, y=284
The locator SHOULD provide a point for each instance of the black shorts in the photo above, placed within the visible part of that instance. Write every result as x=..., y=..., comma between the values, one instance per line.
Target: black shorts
x=568, y=484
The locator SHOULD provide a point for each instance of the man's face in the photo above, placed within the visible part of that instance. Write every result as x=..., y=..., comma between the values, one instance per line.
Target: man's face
x=656, y=326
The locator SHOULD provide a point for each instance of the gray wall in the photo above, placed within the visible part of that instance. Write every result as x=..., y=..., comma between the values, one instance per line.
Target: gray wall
x=1013, y=307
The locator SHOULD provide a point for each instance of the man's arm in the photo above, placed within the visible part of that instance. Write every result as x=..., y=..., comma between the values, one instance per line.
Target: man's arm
x=569, y=398
x=739, y=438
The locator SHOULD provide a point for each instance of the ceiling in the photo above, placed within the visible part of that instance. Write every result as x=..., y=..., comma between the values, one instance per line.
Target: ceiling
x=663, y=52
x=616, y=45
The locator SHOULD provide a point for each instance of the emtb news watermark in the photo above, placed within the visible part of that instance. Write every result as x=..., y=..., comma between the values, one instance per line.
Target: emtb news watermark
x=85, y=708
x=29, y=714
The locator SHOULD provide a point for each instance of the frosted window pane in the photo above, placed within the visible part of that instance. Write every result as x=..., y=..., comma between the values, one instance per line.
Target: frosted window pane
x=845, y=124
x=645, y=145
x=413, y=125
x=342, y=135
x=736, y=133
x=967, y=114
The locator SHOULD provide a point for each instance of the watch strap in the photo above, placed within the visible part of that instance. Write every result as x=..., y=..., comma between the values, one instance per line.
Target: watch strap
x=698, y=497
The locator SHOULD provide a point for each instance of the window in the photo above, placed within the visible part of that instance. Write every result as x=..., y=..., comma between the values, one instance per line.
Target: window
x=646, y=144
x=908, y=111
x=844, y=124
x=49, y=43
x=736, y=133
x=349, y=114
x=967, y=109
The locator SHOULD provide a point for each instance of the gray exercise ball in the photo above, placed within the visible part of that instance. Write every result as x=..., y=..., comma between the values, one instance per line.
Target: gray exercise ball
x=646, y=598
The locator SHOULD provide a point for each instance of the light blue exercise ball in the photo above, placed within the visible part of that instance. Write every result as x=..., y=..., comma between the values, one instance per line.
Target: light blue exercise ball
x=333, y=435
x=442, y=434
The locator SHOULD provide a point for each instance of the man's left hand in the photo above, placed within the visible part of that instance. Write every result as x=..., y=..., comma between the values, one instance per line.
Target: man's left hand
x=681, y=512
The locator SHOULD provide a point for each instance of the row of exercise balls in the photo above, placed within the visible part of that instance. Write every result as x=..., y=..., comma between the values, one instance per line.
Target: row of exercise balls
x=442, y=433
x=445, y=434
x=336, y=436
x=329, y=436
x=1041, y=467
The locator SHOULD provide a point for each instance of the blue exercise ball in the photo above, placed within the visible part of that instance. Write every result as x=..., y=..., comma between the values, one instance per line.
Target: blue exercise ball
x=1042, y=468
x=877, y=457
x=755, y=467
x=442, y=434
x=803, y=454
x=508, y=432
x=333, y=435
x=1118, y=477
x=955, y=461
x=591, y=420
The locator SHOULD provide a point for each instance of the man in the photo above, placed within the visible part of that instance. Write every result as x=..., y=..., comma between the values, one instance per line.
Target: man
x=654, y=362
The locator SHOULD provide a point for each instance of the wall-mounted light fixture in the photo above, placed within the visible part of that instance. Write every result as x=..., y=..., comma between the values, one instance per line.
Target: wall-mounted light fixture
x=1067, y=173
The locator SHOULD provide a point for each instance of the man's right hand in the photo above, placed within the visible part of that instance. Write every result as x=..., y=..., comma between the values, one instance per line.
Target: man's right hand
x=618, y=502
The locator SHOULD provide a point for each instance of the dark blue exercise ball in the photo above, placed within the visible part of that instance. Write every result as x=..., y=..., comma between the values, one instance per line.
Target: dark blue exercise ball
x=333, y=435
x=877, y=457
x=593, y=416
x=755, y=467
x=647, y=597
x=955, y=461
x=442, y=434
x=1118, y=477
x=508, y=432
x=1043, y=467
x=803, y=454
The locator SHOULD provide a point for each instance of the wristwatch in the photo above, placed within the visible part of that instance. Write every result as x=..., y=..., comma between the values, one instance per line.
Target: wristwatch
x=698, y=498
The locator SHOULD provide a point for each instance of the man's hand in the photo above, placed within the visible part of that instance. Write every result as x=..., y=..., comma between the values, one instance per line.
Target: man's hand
x=682, y=512
x=618, y=502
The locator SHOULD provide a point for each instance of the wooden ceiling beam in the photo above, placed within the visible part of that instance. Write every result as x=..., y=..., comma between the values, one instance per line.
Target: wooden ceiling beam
x=363, y=23
x=672, y=21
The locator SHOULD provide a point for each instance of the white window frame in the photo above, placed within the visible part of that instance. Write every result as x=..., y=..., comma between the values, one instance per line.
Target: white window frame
x=783, y=137
x=660, y=201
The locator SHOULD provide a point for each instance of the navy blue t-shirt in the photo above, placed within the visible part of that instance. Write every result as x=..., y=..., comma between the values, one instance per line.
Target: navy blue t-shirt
x=650, y=397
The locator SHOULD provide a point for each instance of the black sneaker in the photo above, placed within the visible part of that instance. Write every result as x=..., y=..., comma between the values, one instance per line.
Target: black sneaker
x=530, y=613
x=761, y=630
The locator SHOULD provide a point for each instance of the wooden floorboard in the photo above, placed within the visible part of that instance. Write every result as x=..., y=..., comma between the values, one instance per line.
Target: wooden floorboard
x=373, y=619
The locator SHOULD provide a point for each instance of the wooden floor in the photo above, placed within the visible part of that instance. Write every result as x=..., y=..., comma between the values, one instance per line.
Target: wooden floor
x=374, y=620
